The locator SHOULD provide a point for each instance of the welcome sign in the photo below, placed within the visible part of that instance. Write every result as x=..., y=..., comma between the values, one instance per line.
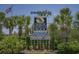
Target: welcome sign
x=40, y=23
x=40, y=27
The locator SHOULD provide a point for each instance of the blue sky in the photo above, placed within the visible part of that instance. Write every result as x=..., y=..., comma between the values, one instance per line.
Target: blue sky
x=25, y=9
x=20, y=9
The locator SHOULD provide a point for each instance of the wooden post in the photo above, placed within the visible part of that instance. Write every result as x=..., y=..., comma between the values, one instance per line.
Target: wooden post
x=37, y=43
x=40, y=44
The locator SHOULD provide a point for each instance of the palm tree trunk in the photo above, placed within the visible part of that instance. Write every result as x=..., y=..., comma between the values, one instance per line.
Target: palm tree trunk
x=20, y=32
x=10, y=32
x=27, y=37
x=0, y=28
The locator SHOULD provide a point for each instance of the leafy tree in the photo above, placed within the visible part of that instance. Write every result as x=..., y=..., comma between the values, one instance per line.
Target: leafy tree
x=27, y=23
x=2, y=17
x=64, y=21
x=75, y=30
x=76, y=22
x=20, y=23
x=61, y=26
x=10, y=24
x=53, y=35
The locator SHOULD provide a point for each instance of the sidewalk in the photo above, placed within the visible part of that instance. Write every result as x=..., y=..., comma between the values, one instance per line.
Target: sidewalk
x=39, y=52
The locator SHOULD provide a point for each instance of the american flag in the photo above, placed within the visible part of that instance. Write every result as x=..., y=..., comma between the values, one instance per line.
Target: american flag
x=8, y=9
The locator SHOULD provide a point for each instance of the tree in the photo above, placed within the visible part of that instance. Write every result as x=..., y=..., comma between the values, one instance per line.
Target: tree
x=76, y=22
x=2, y=17
x=27, y=23
x=20, y=23
x=53, y=35
x=75, y=31
x=10, y=23
x=64, y=20
x=27, y=30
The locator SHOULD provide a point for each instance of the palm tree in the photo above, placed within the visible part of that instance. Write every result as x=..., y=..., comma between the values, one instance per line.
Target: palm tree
x=27, y=30
x=64, y=17
x=20, y=23
x=53, y=34
x=64, y=20
x=10, y=23
x=2, y=17
x=27, y=23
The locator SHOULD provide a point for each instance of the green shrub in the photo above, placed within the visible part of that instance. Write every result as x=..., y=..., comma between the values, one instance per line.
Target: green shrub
x=1, y=36
x=11, y=44
x=69, y=48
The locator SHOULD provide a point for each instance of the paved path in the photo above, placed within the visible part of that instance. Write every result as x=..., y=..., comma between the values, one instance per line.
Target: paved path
x=38, y=52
